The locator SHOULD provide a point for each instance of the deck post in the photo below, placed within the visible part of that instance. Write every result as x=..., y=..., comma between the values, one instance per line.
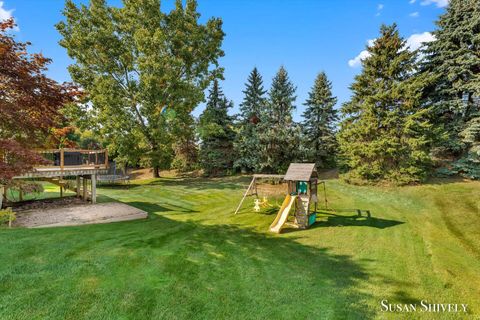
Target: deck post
x=2, y=188
x=78, y=187
x=61, y=192
x=84, y=180
x=62, y=159
x=94, y=188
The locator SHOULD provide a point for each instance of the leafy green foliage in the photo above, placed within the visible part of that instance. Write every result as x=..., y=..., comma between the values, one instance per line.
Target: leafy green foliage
x=247, y=143
x=319, y=124
x=385, y=134
x=185, y=147
x=7, y=216
x=279, y=135
x=216, y=134
x=136, y=61
x=453, y=58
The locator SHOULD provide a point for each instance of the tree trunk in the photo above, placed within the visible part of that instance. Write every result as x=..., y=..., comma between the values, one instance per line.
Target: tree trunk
x=156, y=172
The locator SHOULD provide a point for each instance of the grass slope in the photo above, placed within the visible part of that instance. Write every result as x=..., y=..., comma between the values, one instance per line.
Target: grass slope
x=192, y=259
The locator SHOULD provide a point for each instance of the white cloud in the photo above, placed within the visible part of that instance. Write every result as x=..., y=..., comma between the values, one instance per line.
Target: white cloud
x=439, y=3
x=416, y=40
x=379, y=9
x=4, y=13
x=413, y=42
x=357, y=61
x=412, y=1
x=415, y=14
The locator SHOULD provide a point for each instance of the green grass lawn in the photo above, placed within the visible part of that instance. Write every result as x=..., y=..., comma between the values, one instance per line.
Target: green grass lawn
x=192, y=259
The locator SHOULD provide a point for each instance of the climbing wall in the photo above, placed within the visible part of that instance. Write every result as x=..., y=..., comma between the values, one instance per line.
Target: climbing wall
x=301, y=217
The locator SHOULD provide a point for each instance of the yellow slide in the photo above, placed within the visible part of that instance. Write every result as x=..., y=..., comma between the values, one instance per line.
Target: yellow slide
x=282, y=214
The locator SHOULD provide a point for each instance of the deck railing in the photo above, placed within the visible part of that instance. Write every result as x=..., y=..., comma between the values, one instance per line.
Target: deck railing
x=74, y=158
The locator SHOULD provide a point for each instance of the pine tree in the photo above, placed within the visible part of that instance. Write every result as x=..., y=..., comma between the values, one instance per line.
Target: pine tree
x=216, y=133
x=454, y=59
x=385, y=132
x=319, y=125
x=279, y=135
x=247, y=143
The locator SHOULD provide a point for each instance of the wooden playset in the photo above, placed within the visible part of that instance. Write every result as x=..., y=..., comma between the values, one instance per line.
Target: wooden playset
x=302, y=195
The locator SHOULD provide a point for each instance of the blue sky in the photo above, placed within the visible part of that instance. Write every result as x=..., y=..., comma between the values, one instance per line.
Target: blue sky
x=306, y=36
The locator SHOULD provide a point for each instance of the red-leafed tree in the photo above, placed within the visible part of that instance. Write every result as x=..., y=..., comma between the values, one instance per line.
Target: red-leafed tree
x=29, y=104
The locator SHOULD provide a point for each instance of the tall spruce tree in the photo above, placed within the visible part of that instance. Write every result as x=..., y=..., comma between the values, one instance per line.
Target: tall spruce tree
x=247, y=143
x=320, y=116
x=216, y=133
x=385, y=132
x=455, y=60
x=279, y=135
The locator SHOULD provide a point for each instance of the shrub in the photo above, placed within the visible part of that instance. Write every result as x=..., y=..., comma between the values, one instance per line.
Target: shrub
x=7, y=216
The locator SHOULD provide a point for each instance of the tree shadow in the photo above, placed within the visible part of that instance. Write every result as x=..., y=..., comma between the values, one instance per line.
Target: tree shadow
x=255, y=271
x=231, y=183
x=184, y=270
x=336, y=220
x=445, y=180
x=195, y=183
x=152, y=207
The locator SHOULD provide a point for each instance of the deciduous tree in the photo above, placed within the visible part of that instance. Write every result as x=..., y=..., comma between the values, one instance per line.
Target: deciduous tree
x=138, y=65
x=29, y=104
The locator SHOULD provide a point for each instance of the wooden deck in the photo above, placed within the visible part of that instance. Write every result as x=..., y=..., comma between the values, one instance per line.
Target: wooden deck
x=70, y=162
x=85, y=165
x=69, y=171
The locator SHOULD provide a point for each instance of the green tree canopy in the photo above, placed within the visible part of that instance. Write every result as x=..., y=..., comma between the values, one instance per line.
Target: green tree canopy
x=280, y=136
x=216, y=133
x=247, y=143
x=385, y=132
x=319, y=123
x=143, y=70
x=454, y=58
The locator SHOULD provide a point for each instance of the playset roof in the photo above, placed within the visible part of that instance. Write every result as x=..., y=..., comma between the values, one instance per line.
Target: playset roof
x=300, y=172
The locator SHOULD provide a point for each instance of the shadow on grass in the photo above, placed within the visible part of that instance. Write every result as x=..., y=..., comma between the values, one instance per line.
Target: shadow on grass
x=445, y=180
x=156, y=208
x=198, y=271
x=231, y=183
x=336, y=220
x=279, y=277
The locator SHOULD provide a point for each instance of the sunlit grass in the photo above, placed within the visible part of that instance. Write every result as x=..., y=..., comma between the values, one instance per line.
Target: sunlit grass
x=194, y=259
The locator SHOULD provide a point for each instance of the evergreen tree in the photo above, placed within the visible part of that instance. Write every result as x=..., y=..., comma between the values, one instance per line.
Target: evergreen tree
x=279, y=135
x=319, y=125
x=247, y=143
x=185, y=146
x=385, y=133
x=216, y=133
x=454, y=59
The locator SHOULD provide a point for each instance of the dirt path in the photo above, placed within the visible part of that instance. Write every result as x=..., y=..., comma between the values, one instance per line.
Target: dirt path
x=79, y=215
